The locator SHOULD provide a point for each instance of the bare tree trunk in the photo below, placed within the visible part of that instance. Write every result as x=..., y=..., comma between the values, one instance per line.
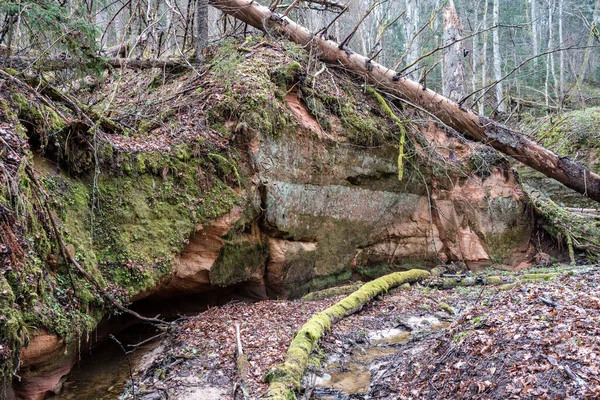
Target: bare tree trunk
x=586, y=55
x=484, y=58
x=453, y=86
x=412, y=38
x=561, y=89
x=497, y=61
x=534, y=33
x=446, y=111
x=550, y=67
x=201, y=28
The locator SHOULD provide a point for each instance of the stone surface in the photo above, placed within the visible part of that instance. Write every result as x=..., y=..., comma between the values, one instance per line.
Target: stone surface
x=330, y=211
x=44, y=362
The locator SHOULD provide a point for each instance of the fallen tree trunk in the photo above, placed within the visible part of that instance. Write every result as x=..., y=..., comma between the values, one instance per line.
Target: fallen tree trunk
x=448, y=112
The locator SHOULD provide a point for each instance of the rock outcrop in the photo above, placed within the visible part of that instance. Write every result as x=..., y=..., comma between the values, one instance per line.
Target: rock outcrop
x=293, y=188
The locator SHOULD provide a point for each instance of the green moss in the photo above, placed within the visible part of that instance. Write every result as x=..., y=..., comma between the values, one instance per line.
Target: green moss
x=316, y=107
x=332, y=292
x=494, y=280
x=7, y=111
x=237, y=262
x=286, y=75
x=509, y=286
x=320, y=282
x=447, y=308
x=226, y=63
x=11, y=328
x=573, y=134
x=399, y=124
x=253, y=102
x=360, y=128
x=42, y=117
x=539, y=277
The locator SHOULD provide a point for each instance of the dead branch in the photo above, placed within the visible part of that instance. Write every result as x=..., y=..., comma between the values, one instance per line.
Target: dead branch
x=359, y=23
x=241, y=363
x=549, y=302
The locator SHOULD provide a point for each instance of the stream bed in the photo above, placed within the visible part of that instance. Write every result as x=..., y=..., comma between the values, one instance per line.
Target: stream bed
x=102, y=372
x=354, y=365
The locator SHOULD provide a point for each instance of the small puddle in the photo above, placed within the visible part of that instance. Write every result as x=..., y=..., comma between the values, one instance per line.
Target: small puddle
x=101, y=373
x=350, y=374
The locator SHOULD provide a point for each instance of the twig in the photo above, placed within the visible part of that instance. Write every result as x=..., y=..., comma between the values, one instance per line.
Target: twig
x=241, y=364
x=351, y=35
x=145, y=341
x=574, y=376
x=128, y=362
x=549, y=302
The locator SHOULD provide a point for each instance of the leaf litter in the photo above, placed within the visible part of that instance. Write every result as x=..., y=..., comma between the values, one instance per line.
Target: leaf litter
x=498, y=345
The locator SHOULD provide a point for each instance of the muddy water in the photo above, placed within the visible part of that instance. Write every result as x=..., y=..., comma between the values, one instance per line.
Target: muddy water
x=350, y=374
x=102, y=372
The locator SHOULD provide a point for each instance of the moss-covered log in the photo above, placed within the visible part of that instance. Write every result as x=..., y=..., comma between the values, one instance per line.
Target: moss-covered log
x=579, y=230
x=285, y=378
x=332, y=292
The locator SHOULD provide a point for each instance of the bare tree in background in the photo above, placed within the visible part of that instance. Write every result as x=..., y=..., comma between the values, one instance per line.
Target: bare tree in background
x=484, y=57
x=550, y=69
x=501, y=107
x=201, y=28
x=412, y=38
x=534, y=31
x=453, y=85
x=561, y=55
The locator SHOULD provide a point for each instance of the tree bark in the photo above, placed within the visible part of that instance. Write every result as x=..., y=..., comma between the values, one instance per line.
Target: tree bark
x=561, y=55
x=534, y=33
x=497, y=60
x=201, y=28
x=411, y=30
x=454, y=79
x=448, y=112
x=550, y=68
x=484, y=58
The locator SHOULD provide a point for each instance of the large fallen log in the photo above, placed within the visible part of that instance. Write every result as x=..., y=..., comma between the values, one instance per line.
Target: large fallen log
x=448, y=112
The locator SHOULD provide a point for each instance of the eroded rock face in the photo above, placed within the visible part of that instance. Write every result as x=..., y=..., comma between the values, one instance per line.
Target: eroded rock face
x=192, y=267
x=44, y=364
x=330, y=211
x=348, y=204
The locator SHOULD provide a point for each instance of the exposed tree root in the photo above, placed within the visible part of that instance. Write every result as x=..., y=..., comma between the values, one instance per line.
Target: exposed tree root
x=285, y=378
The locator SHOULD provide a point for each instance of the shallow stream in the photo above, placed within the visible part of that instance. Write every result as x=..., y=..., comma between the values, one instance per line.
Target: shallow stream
x=350, y=373
x=102, y=372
